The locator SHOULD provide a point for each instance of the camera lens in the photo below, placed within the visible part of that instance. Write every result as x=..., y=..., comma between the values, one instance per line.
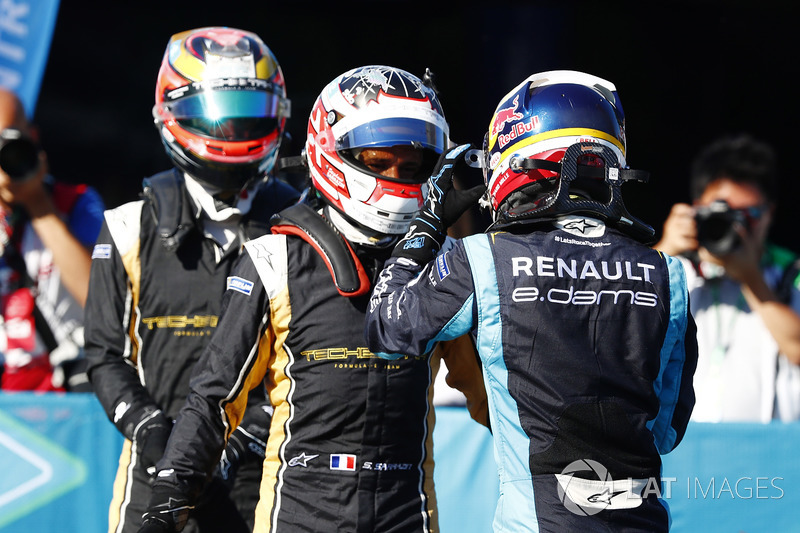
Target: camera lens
x=19, y=158
x=716, y=230
x=717, y=235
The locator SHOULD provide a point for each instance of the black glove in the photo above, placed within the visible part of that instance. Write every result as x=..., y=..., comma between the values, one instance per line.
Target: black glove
x=167, y=512
x=442, y=208
x=244, y=445
x=151, y=440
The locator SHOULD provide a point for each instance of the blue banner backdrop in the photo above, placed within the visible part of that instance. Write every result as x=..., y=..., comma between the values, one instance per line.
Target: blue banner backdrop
x=58, y=458
x=26, y=28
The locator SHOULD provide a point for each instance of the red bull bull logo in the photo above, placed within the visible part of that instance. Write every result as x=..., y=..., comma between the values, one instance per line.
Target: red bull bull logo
x=504, y=116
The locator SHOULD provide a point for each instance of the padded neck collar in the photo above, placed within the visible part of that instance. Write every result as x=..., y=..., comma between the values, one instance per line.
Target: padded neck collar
x=348, y=273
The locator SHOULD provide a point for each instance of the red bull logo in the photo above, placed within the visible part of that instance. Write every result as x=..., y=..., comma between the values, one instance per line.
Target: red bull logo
x=504, y=116
x=519, y=129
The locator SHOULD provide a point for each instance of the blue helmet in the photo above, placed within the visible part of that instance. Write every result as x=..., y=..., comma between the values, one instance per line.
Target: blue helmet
x=528, y=141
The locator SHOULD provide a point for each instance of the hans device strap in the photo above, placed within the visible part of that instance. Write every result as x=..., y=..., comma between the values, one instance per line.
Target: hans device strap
x=165, y=191
x=346, y=270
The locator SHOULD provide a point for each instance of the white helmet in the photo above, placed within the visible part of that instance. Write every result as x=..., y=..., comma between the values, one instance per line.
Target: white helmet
x=374, y=107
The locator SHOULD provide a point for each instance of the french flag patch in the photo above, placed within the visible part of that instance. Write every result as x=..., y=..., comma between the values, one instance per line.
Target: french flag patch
x=343, y=461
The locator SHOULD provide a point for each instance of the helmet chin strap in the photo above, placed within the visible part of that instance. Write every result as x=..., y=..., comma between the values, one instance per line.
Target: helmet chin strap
x=213, y=209
x=561, y=201
x=358, y=234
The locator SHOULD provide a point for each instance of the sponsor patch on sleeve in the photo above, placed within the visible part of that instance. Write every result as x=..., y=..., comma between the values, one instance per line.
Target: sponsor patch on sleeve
x=101, y=251
x=441, y=266
x=235, y=283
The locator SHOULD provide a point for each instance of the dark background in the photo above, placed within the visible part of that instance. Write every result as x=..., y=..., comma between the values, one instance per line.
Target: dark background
x=686, y=72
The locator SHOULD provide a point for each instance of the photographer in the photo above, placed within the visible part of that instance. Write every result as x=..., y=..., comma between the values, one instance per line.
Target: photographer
x=743, y=289
x=47, y=231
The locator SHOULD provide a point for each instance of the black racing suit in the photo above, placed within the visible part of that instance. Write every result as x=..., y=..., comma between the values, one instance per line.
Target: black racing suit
x=350, y=445
x=154, y=300
x=588, y=349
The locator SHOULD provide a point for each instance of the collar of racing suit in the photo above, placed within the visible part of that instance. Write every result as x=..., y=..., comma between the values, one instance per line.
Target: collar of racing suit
x=180, y=204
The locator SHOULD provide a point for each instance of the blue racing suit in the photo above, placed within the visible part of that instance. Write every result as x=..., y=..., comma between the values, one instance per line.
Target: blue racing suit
x=588, y=351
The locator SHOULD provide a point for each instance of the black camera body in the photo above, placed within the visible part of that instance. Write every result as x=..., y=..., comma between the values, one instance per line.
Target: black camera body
x=716, y=227
x=19, y=155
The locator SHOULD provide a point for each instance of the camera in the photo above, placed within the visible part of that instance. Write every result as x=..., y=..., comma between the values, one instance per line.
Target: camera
x=716, y=227
x=19, y=155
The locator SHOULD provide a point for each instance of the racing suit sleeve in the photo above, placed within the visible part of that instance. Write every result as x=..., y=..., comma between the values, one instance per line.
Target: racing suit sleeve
x=229, y=368
x=678, y=363
x=412, y=308
x=111, y=371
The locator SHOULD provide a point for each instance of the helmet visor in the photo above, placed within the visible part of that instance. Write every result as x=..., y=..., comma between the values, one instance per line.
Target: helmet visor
x=228, y=114
x=395, y=131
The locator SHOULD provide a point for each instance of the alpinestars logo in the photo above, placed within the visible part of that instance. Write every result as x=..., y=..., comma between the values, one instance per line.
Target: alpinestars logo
x=581, y=226
x=596, y=491
x=302, y=460
x=264, y=254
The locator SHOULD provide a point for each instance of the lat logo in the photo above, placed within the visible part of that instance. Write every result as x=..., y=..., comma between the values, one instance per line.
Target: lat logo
x=595, y=491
